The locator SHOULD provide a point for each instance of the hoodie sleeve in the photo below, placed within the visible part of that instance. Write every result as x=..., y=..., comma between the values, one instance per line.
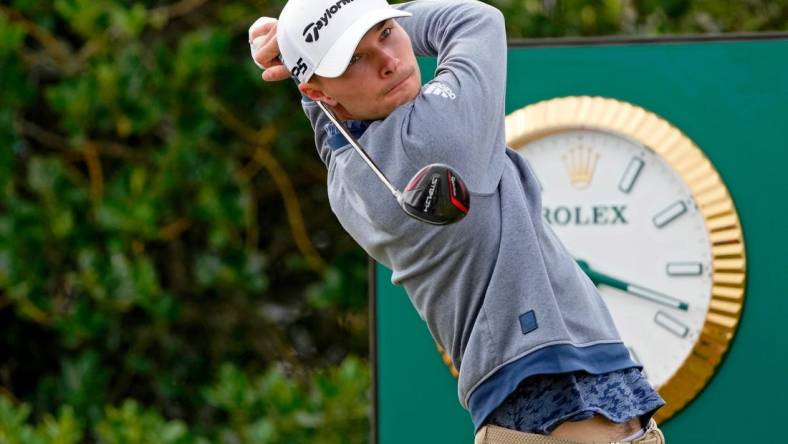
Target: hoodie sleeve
x=458, y=118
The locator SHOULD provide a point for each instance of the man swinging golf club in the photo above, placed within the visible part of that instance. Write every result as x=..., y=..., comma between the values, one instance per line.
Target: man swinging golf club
x=538, y=355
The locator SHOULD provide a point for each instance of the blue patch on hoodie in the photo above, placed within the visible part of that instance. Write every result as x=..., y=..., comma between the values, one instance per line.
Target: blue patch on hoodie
x=528, y=322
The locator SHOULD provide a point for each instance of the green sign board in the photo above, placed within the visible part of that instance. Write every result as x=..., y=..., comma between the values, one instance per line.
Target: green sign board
x=730, y=96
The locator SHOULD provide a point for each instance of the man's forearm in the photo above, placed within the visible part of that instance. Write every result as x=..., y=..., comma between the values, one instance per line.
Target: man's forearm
x=440, y=28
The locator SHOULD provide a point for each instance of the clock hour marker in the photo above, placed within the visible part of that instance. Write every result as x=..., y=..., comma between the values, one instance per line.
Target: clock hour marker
x=671, y=324
x=684, y=268
x=670, y=213
x=630, y=174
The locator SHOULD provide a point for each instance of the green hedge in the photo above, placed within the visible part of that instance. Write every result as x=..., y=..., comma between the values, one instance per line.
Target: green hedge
x=332, y=407
x=164, y=234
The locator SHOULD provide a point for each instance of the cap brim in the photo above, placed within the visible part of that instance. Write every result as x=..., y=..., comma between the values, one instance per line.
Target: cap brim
x=335, y=61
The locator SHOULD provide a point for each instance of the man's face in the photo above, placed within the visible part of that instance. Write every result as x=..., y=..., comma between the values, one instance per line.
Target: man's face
x=382, y=75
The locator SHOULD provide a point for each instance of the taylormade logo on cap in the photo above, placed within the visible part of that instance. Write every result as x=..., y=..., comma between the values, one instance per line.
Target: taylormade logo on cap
x=320, y=36
x=311, y=32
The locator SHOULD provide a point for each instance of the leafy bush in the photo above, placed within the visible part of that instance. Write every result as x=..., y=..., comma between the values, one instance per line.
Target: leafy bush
x=14, y=427
x=150, y=229
x=330, y=406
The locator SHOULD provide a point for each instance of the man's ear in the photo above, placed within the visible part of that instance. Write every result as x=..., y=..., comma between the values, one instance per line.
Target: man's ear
x=316, y=94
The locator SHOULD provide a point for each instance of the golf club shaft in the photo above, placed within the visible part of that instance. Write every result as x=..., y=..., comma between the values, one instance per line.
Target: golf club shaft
x=354, y=143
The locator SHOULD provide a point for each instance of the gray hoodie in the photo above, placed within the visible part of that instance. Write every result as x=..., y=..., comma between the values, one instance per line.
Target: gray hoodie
x=497, y=290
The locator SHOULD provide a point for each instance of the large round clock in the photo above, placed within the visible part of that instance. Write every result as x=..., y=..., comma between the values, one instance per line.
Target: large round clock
x=648, y=218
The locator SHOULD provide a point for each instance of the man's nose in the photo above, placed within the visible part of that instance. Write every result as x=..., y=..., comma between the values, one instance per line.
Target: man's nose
x=389, y=63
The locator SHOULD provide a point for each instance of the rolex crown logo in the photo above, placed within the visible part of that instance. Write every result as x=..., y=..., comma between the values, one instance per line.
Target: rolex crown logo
x=580, y=164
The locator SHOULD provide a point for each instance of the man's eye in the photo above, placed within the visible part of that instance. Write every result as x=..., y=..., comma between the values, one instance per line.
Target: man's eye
x=386, y=32
x=354, y=59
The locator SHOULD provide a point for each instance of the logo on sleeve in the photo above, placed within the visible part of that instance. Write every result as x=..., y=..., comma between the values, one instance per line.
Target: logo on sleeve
x=439, y=89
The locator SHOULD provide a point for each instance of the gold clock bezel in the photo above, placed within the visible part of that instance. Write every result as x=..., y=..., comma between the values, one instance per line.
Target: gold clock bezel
x=709, y=193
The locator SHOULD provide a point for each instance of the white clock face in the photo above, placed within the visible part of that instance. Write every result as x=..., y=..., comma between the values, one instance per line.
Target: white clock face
x=621, y=210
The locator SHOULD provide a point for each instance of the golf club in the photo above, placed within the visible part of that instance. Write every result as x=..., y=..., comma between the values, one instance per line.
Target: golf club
x=435, y=195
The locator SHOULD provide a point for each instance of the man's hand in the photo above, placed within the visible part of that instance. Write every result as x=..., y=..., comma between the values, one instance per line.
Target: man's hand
x=265, y=49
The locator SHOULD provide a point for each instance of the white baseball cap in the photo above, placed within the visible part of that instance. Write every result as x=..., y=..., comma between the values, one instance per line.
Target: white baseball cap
x=320, y=36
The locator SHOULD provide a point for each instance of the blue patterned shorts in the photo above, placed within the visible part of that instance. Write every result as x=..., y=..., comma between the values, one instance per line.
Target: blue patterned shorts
x=542, y=402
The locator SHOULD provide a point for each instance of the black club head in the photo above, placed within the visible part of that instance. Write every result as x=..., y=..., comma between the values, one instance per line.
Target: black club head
x=436, y=195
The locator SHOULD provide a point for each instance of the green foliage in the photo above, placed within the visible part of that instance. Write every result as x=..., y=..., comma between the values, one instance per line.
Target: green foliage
x=144, y=246
x=330, y=406
x=559, y=18
x=334, y=407
x=132, y=424
x=158, y=280
x=14, y=427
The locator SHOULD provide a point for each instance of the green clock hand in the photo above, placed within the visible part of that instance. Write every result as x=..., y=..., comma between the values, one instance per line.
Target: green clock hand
x=645, y=293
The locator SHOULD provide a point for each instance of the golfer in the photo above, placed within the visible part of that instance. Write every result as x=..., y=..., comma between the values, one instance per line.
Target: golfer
x=539, y=357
